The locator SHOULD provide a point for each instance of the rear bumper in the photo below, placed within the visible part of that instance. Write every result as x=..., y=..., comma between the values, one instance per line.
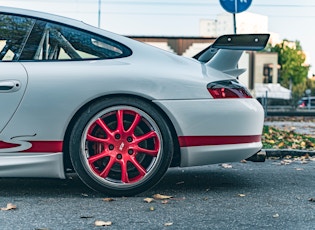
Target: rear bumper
x=216, y=131
x=205, y=155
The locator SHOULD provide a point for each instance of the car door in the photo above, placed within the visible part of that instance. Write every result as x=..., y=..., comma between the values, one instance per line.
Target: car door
x=14, y=31
x=13, y=81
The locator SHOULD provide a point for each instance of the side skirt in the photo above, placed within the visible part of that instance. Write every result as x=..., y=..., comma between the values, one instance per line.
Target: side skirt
x=49, y=165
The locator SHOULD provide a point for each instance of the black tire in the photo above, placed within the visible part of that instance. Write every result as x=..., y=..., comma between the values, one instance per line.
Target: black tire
x=121, y=146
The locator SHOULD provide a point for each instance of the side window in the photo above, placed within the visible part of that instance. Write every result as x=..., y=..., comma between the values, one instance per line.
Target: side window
x=14, y=31
x=51, y=41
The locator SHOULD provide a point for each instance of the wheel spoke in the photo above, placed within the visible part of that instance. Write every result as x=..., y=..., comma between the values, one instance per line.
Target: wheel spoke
x=120, y=121
x=97, y=157
x=134, y=124
x=108, y=167
x=124, y=171
x=107, y=130
x=138, y=166
x=146, y=136
x=153, y=152
x=89, y=137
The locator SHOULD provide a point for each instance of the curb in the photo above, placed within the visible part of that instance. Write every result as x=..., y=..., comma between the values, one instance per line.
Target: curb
x=285, y=152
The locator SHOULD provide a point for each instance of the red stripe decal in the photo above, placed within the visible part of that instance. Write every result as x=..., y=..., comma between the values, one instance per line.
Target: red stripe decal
x=189, y=141
x=45, y=147
x=5, y=145
x=37, y=146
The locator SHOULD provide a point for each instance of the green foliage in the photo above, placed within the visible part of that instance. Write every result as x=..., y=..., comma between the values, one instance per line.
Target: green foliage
x=274, y=138
x=291, y=59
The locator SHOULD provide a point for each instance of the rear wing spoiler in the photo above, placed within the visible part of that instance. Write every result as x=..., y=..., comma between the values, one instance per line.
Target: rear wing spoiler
x=226, y=51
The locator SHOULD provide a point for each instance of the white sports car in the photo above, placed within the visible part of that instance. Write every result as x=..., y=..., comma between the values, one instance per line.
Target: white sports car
x=117, y=111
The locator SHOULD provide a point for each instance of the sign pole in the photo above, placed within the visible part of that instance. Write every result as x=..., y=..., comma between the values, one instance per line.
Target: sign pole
x=234, y=22
x=234, y=7
x=99, y=13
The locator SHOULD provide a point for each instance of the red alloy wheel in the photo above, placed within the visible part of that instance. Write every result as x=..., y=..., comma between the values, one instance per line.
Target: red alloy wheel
x=121, y=146
x=119, y=142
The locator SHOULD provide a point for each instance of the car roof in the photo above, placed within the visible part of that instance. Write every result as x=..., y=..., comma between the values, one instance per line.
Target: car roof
x=61, y=20
x=38, y=14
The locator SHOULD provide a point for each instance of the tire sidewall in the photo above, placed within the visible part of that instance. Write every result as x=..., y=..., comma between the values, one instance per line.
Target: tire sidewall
x=77, y=157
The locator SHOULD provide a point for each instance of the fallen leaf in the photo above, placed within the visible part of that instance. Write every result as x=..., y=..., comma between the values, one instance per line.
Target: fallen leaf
x=286, y=162
x=243, y=161
x=164, y=201
x=241, y=195
x=108, y=199
x=152, y=208
x=161, y=197
x=226, y=166
x=148, y=200
x=84, y=194
x=281, y=144
x=275, y=215
x=180, y=182
x=99, y=223
x=299, y=169
x=311, y=199
x=10, y=206
x=168, y=224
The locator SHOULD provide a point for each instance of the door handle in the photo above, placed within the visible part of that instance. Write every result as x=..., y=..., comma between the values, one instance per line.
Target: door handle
x=9, y=86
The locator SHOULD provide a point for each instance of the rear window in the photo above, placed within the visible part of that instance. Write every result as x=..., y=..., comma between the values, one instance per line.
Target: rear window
x=50, y=41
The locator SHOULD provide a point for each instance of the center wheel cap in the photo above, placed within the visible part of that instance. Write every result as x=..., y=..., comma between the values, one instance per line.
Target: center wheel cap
x=122, y=145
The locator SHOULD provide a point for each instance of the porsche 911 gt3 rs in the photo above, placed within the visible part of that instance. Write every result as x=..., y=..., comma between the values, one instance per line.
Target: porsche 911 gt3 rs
x=117, y=111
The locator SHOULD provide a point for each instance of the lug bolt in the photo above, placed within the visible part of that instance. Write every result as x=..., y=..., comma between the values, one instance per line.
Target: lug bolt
x=119, y=156
x=130, y=151
x=129, y=139
x=111, y=147
x=117, y=136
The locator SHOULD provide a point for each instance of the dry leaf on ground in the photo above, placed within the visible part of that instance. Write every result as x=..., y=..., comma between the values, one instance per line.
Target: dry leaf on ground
x=10, y=206
x=275, y=215
x=168, y=224
x=226, y=166
x=99, y=223
x=108, y=199
x=148, y=200
x=161, y=197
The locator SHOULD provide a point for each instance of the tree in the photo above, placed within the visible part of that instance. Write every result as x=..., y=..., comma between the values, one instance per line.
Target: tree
x=291, y=58
x=293, y=71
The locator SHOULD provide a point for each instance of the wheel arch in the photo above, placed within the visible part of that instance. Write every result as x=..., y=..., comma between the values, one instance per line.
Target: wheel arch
x=66, y=155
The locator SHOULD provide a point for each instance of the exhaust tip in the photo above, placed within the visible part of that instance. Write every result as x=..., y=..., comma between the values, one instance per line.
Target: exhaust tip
x=258, y=157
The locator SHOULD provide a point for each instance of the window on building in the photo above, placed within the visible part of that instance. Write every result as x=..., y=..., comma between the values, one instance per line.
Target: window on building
x=268, y=73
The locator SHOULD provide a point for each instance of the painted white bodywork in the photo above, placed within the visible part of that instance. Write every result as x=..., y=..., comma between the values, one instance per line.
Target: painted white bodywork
x=51, y=93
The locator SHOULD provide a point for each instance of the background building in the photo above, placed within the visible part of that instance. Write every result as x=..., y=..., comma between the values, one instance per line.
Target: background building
x=223, y=24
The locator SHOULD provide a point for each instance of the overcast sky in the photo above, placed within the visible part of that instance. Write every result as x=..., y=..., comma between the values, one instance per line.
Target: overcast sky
x=292, y=19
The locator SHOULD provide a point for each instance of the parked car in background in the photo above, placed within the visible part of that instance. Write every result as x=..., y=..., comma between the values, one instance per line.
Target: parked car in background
x=304, y=103
x=117, y=111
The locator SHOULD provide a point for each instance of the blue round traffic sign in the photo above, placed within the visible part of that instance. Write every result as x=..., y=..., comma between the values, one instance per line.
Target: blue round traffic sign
x=235, y=6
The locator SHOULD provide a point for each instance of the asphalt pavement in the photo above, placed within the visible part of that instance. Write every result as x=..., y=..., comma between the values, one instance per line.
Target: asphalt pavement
x=276, y=194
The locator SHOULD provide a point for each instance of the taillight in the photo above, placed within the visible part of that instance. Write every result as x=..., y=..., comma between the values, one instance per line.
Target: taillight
x=228, y=89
